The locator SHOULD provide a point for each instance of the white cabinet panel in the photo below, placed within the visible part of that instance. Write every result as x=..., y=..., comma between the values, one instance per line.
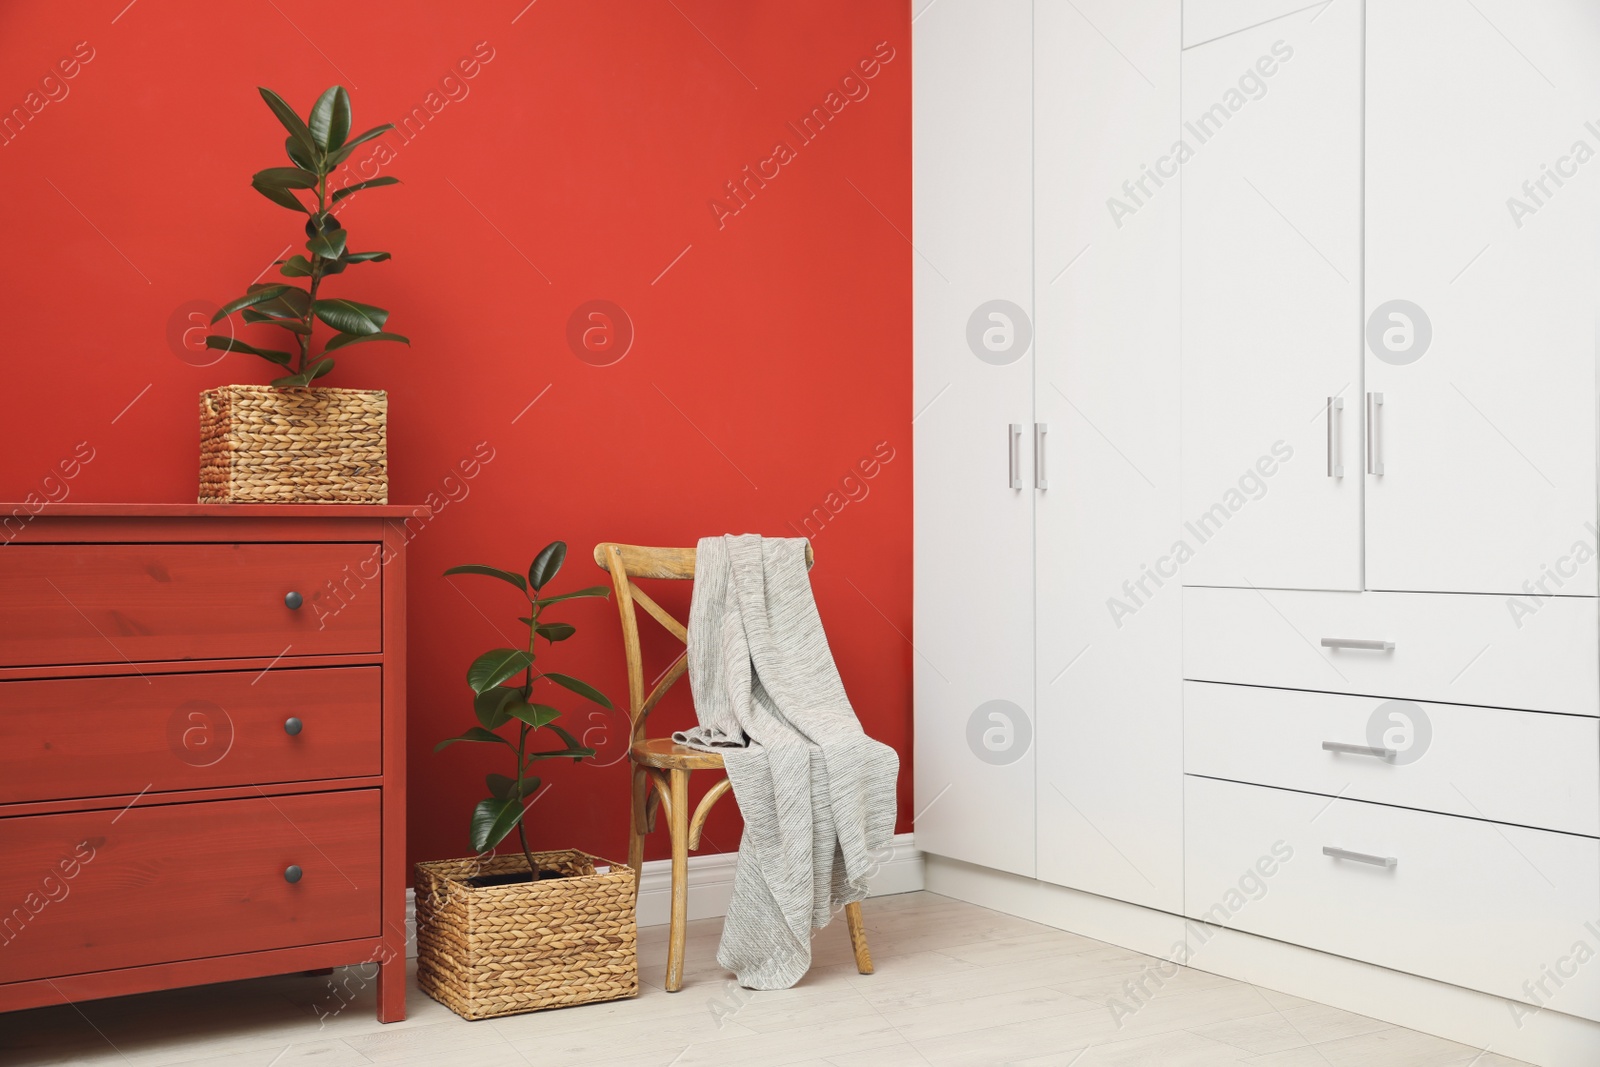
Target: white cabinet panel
x=1272, y=303
x=1206, y=20
x=1110, y=790
x=1487, y=431
x=1473, y=903
x=1459, y=649
x=1525, y=767
x=973, y=230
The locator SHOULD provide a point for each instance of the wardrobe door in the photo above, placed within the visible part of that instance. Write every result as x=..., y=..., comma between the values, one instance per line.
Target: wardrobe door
x=973, y=229
x=1110, y=768
x=1271, y=184
x=1480, y=294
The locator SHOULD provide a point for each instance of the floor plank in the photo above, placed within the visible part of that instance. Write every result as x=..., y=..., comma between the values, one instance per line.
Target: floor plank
x=955, y=984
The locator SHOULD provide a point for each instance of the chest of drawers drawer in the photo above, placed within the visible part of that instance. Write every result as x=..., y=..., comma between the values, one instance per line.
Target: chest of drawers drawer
x=124, y=735
x=88, y=604
x=1448, y=647
x=1463, y=901
x=1525, y=767
x=111, y=889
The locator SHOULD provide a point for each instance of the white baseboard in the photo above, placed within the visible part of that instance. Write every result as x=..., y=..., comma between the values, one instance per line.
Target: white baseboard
x=1547, y=1038
x=711, y=884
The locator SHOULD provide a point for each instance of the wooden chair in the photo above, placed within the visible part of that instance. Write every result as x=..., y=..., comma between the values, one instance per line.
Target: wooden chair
x=662, y=763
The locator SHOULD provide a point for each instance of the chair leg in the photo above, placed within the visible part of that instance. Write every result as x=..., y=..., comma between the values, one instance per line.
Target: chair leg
x=858, y=937
x=636, y=826
x=678, y=824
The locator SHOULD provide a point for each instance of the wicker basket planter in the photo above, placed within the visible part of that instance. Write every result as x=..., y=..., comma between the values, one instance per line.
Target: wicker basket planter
x=502, y=950
x=261, y=445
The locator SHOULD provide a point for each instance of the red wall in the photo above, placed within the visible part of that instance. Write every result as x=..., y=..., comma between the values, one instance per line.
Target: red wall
x=771, y=356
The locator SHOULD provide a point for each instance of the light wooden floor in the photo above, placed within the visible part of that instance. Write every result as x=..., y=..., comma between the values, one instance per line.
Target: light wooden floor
x=956, y=984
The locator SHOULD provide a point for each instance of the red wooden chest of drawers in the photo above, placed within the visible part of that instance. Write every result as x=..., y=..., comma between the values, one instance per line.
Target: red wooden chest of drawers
x=202, y=747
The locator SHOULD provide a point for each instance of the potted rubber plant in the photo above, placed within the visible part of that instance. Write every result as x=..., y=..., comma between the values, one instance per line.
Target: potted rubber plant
x=290, y=442
x=523, y=931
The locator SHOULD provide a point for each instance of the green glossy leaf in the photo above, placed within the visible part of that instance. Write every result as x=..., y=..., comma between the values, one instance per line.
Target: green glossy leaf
x=251, y=299
x=330, y=118
x=251, y=315
x=287, y=177
x=292, y=302
x=546, y=564
x=535, y=715
x=574, y=754
x=318, y=369
x=348, y=316
x=570, y=741
x=583, y=689
x=292, y=381
x=499, y=665
x=279, y=195
x=370, y=183
x=489, y=706
x=291, y=122
x=503, y=786
x=328, y=245
x=341, y=340
x=365, y=257
x=476, y=733
x=492, y=820
x=233, y=344
x=478, y=568
x=296, y=266
x=297, y=154
x=554, y=631
x=339, y=155
x=593, y=590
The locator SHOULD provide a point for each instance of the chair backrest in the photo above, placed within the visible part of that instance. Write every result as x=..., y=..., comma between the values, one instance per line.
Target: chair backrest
x=625, y=563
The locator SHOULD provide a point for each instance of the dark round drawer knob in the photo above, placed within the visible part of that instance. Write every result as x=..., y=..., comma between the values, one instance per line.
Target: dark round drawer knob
x=293, y=726
x=294, y=600
x=292, y=874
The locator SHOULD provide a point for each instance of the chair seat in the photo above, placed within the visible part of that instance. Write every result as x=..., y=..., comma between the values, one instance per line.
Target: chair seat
x=663, y=753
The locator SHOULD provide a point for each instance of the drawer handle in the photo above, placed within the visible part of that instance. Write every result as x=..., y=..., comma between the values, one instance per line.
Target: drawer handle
x=292, y=727
x=1359, y=857
x=293, y=601
x=1359, y=750
x=1356, y=642
x=293, y=874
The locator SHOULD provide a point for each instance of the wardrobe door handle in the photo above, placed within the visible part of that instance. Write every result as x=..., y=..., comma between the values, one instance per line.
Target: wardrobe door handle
x=1336, y=437
x=1014, y=454
x=1359, y=750
x=1039, y=479
x=1375, y=434
x=1359, y=857
x=1355, y=642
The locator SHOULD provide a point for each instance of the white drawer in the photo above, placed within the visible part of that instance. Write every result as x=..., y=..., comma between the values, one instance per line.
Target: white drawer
x=1456, y=648
x=1489, y=907
x=1525, y=767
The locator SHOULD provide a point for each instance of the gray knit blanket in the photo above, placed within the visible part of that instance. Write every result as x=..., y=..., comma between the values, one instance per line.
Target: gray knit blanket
x=817, y=794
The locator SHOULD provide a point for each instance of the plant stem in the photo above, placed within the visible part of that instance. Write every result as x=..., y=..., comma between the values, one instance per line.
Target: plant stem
x=316, y=279
x=522, y=830
x=522, y=742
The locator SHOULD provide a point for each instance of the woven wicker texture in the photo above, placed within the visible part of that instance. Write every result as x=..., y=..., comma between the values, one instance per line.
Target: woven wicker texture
x=281, y=446
x=524, y=947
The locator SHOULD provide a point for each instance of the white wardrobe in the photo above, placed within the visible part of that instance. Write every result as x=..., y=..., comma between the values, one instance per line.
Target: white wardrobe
x=1256, y=491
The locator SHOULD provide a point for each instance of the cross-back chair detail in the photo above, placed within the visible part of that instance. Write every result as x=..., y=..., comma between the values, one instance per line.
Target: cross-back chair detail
x=661, y=763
